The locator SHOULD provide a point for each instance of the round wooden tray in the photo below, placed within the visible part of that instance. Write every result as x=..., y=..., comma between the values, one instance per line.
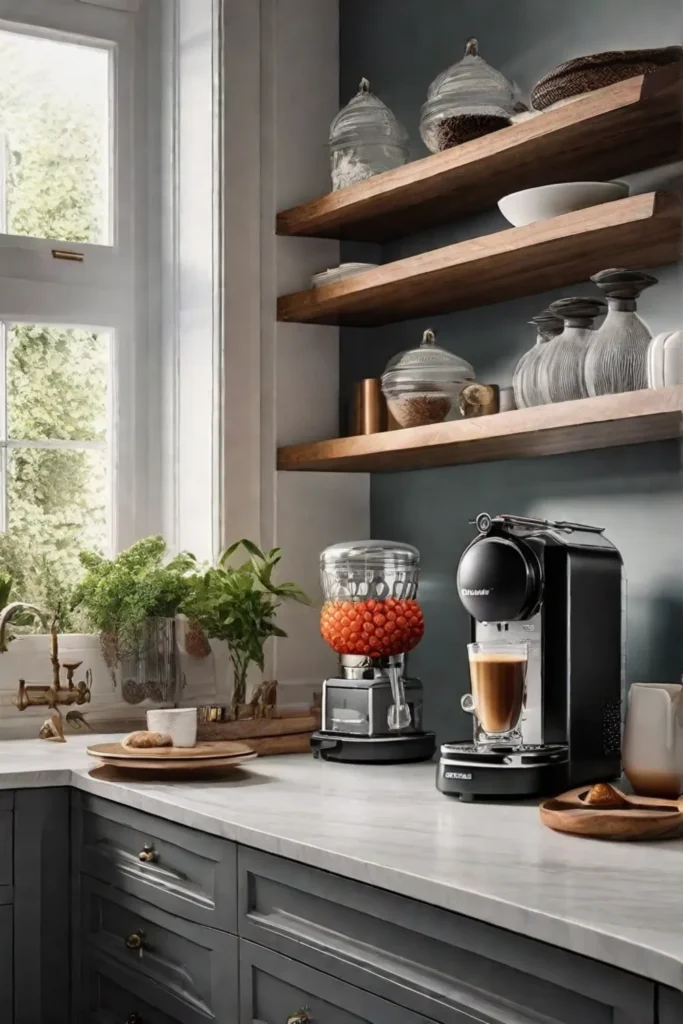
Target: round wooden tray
x=644, y=817
x=205, y=751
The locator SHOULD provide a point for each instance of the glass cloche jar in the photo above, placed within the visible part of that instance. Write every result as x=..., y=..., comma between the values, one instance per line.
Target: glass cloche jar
x=525, y=378
x=561, y=375
x=370, y=589
x=421, y=384
x=616, y=360
x=366, y=138
x=466, y=101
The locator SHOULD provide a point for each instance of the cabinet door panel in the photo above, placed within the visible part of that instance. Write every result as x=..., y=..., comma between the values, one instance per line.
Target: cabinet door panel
x=192, y=967
x=6, y=963
x=274, y=988
x=449, y=967
x=109, y=1001
x=183, y=871
x=670, y=1006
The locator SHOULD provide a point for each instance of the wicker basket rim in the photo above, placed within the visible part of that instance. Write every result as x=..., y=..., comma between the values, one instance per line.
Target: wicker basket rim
x=662, y=55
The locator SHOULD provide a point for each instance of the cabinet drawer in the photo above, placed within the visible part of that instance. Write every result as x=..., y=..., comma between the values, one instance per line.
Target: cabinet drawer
x=274, y=988
x=190, y=874
x=450, y=968
x=670, y=1006
x=106, y=1000
x=194, y=967
x=6, y=851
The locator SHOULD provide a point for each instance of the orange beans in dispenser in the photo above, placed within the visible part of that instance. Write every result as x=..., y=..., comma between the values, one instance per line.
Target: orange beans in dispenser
x=372, y=627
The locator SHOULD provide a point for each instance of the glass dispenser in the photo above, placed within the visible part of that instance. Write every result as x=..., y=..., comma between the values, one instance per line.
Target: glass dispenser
x=365, y=139
x=561, y=364
x=525, y=382
x=617, y=355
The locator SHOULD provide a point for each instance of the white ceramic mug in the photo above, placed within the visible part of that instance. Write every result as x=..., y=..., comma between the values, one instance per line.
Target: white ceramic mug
x=653, y=739
x=178, y=723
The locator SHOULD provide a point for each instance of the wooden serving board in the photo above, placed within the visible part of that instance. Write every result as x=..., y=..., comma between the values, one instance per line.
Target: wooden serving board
x=207, y=750
x=643, y=818
x=283, y=724
x=149, y=767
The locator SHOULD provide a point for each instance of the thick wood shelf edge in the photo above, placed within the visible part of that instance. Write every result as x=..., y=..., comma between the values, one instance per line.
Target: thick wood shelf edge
x=623, y=128
x=643, y=230
x=609, y=421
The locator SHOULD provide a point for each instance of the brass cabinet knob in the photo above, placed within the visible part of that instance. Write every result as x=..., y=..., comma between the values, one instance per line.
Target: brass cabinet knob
x=148, y=855
x=300, y=1017
x=136, y=941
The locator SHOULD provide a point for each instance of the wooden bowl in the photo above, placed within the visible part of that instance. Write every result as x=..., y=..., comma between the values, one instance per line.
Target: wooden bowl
x=643, y=817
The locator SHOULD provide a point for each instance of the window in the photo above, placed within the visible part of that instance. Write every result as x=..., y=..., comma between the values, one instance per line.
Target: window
x=77, y=401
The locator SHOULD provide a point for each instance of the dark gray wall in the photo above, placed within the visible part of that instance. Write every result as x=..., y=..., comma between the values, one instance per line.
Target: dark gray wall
x=637, y=492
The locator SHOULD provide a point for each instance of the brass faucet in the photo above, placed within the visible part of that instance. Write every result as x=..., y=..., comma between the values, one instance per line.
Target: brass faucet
x=53, y=694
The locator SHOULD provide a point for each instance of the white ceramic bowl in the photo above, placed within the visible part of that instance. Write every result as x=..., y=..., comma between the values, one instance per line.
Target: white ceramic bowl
x=546, y=201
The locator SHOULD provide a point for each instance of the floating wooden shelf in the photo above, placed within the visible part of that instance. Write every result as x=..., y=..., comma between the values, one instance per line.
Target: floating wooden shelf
x=642, y=231
x=618, y=130
x=603, y=422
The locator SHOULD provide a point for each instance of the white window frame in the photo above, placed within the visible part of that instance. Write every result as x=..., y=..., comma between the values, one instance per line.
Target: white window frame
x=109, y=289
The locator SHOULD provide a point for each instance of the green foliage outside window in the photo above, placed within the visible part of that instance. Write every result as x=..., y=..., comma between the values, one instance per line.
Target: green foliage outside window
x=56, y=377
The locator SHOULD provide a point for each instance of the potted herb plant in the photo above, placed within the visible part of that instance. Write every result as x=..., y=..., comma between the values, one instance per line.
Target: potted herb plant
x=132, y=601
x=238, y=604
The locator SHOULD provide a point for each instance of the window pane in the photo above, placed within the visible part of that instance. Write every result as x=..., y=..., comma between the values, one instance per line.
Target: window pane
x=56, y=504
x=57, y=380
x=54, y=139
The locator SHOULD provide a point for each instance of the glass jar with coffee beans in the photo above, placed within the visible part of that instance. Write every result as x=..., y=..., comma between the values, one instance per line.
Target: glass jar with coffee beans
x=422, y=384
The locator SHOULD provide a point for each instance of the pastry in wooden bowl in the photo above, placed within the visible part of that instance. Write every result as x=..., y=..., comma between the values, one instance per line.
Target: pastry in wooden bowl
x=605, y=796
x=146, y=740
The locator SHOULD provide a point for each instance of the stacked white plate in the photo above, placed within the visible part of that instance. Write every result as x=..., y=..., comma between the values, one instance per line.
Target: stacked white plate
x=340, y=272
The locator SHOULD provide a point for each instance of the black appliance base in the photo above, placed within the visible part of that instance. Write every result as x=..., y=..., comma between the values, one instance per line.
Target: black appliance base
x=499, y=773
x=412, y=747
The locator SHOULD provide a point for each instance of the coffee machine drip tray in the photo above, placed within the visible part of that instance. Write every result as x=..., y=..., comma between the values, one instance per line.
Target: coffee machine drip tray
x=468, y=771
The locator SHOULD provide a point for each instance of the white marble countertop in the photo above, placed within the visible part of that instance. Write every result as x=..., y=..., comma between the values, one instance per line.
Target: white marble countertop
x=621, y=903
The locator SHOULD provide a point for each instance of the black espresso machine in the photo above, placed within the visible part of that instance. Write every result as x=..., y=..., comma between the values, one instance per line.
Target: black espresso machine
x=555, y=590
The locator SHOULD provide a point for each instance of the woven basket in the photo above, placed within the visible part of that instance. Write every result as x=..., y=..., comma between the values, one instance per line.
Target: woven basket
x=586, y=74
x=459, y=128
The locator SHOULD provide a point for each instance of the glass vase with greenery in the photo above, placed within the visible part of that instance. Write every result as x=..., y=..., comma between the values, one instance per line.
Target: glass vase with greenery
x=238, y=604
x=119, y=595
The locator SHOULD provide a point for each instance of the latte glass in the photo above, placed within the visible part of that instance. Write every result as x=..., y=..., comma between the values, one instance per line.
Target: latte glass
x=498, y=684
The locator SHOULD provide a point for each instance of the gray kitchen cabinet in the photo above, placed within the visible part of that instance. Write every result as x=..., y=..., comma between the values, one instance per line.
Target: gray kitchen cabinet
x=41, y=907
x=449, y=968
x=6, y=963
x=187, y=970
x=274, y=989
x=108, y=997
x=178, y=869
x=670, y=1006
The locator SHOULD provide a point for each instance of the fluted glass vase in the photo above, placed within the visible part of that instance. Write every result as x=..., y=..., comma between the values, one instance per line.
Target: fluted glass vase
x=561, y=364
x=616, y=360
x=525, y=382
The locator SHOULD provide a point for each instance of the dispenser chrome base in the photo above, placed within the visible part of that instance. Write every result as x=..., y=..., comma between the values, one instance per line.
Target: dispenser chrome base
x=404, y=749
x=471, y=772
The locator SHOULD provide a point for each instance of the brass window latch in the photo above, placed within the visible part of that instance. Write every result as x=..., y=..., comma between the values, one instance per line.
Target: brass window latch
x=66, y=254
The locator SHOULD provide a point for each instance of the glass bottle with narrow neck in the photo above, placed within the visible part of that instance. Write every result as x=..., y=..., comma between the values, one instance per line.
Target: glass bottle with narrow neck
x=561, y=366
x=616, y=360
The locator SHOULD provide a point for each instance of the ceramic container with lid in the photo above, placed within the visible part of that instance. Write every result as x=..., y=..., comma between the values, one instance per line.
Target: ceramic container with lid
x=617, y=355
x=466, y=101
x=561, y=364
x=365, y=139
x=525, y=383
x=665, y=360
x=421, y=384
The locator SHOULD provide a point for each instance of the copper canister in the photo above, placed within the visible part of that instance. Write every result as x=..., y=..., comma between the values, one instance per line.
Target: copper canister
x=368, y=407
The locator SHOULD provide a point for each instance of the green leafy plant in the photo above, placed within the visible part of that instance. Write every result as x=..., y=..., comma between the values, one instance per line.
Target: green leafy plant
x=119, y=594
x=238, y=604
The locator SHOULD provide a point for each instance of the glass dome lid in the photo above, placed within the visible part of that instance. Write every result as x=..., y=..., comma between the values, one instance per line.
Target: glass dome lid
x=427, y=362
x=370, y=554
x=366, y=117
x=472, y=87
